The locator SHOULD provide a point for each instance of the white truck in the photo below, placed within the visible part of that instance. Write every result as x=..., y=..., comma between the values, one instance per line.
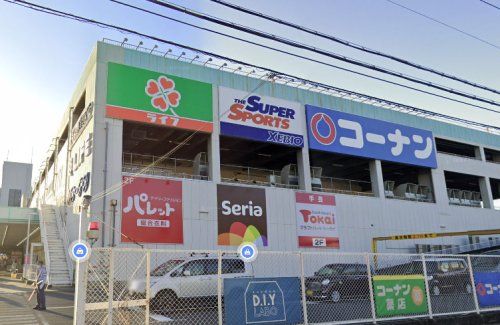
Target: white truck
x=190, y=279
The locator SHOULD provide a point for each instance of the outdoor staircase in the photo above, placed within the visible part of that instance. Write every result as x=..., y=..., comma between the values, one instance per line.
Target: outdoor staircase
x=56, y=256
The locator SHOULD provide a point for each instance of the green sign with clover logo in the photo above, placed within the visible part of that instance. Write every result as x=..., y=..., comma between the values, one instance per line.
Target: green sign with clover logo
x=158, y=98
x=397, y=295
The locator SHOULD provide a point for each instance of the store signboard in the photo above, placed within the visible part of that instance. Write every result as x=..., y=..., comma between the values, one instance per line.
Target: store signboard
x=316, y=220
x=157, y=98
x=338, y=132
x=261, y=118
x=241, y=215
x=151, y=210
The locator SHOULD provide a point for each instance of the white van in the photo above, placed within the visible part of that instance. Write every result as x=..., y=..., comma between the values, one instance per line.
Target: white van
x=191, y=278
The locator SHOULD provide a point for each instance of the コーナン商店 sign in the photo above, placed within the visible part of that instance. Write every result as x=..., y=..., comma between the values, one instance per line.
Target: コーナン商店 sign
x=241, y=215
x=157, y=98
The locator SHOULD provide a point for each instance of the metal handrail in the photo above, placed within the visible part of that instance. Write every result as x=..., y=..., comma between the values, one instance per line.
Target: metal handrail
x=61, y=227
x=43, y=231
x=349, y=189
x=254, y=176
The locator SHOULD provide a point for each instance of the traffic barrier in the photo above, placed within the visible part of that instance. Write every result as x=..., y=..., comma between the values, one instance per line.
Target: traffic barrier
x=151, y=286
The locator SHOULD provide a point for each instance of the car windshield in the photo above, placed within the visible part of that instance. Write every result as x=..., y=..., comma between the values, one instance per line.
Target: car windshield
x=330, y=270
x=166, y=267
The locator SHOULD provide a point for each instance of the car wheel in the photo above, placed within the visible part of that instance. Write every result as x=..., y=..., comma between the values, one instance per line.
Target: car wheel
x=436, y=291
x=468, y=288
x=335, y=296
x=165, y=300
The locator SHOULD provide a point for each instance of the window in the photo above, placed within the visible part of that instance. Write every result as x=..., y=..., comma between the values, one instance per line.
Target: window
x=212, y=266
x=233, y=266
x=14, y=198
x=195, y=268
x=350, y=270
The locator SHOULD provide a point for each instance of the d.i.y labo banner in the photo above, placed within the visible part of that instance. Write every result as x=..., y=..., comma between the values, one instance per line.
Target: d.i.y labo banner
x=261, y=118
x=157, y=98
x=151, y=210
x=316, y=220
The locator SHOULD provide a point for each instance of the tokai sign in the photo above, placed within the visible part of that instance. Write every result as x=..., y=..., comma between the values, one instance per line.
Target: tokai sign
x=354, y=135
x=157, y=98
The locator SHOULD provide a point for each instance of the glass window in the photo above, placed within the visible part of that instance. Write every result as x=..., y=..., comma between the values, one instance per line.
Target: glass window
x=233, y=266
x=350, y=270
x=212, y=266
x=195, y=267
x=14, y=198
x=166, y=267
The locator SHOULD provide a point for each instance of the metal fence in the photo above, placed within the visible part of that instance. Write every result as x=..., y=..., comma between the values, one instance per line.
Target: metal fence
x=139, y=286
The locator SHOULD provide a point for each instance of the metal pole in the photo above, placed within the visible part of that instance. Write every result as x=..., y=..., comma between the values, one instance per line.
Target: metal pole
x=26, y=254
x=476, y=303
x=303, y=285
x=111, y=283
x=148, y=284
x=427, y=291
x=219, y=287
x=370, y=286
x=81, y=267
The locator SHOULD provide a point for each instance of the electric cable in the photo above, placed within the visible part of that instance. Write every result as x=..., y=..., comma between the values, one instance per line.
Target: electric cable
x=124, y=30
x=303, y=46
x=490, y=4
x=444, y=24
x=300, y=56
x=353, y=45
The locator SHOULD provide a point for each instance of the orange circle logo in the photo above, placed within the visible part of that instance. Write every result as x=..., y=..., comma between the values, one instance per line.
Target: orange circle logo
x=417, y=295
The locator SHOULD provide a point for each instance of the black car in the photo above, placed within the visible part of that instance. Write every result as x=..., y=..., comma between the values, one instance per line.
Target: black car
x=444, y=275
x=336, y=282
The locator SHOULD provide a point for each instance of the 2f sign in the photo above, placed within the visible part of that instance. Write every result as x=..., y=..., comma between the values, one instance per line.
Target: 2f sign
x=319, y=242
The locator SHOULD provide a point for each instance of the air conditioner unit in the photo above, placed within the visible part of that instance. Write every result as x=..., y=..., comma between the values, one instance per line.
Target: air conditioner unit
x=476, y=199
x=424, y=193
x=389, y=188
x=453, y=195
x=316, y=178
x=289, y=175
x=407, y=191
x=200, y=164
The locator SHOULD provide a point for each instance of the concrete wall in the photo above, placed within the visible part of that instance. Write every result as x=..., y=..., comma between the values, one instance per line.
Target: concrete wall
x=15, y=176
x=359, y=218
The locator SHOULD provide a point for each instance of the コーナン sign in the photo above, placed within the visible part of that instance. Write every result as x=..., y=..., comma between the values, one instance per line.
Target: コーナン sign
x=334, y=131
x=241, y=215
x=152, y=210
x=260, y=118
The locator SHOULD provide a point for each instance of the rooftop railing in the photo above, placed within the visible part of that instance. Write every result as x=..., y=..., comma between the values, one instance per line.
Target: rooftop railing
x=253, y=176
x=344, y=186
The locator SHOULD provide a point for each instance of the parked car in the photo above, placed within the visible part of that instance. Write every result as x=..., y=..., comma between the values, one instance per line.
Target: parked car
x=336, y=282
x=444, y=275
x=192, y=278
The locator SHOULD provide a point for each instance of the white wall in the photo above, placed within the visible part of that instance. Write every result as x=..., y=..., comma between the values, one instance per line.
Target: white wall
x=15, y=176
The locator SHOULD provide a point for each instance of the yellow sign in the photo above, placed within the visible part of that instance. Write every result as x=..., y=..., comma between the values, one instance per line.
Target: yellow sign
x=414, y=236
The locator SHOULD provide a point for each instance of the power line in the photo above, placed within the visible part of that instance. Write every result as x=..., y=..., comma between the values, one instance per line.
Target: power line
x=445, y=24
x=353, y=45
x=365, y=97
x=490, y=4
x=299, y=56
x=318, y=51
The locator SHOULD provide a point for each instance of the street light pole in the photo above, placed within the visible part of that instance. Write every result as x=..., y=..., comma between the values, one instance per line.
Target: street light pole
x=80, y=289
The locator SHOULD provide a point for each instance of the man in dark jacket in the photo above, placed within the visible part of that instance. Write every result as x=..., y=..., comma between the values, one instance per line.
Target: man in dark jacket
x=41, y=282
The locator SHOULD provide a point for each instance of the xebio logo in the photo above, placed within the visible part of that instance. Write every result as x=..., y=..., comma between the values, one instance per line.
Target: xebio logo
x=323, y=128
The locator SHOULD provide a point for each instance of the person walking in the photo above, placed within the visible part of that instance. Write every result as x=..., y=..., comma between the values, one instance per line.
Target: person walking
x=40, y=287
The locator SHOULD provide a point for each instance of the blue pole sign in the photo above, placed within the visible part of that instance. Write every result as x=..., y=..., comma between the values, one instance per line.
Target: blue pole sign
x=487, y=288
x=79, y=251
x=262, y=301
x=334, y=131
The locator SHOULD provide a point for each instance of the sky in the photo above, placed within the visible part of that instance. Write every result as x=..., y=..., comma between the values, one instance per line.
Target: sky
x=42, y=56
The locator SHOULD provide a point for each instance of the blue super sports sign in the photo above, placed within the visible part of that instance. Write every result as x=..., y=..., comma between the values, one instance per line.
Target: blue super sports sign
x=334, y=131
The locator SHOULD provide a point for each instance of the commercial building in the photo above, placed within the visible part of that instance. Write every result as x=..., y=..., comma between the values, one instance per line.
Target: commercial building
x=16, y=183
x=177, y=154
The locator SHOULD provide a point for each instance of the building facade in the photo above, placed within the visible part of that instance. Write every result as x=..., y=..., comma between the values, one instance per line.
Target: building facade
x=16, y=183
x=180, y=155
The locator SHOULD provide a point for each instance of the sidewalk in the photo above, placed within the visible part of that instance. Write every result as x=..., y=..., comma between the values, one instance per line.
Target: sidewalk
x=15, y=308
